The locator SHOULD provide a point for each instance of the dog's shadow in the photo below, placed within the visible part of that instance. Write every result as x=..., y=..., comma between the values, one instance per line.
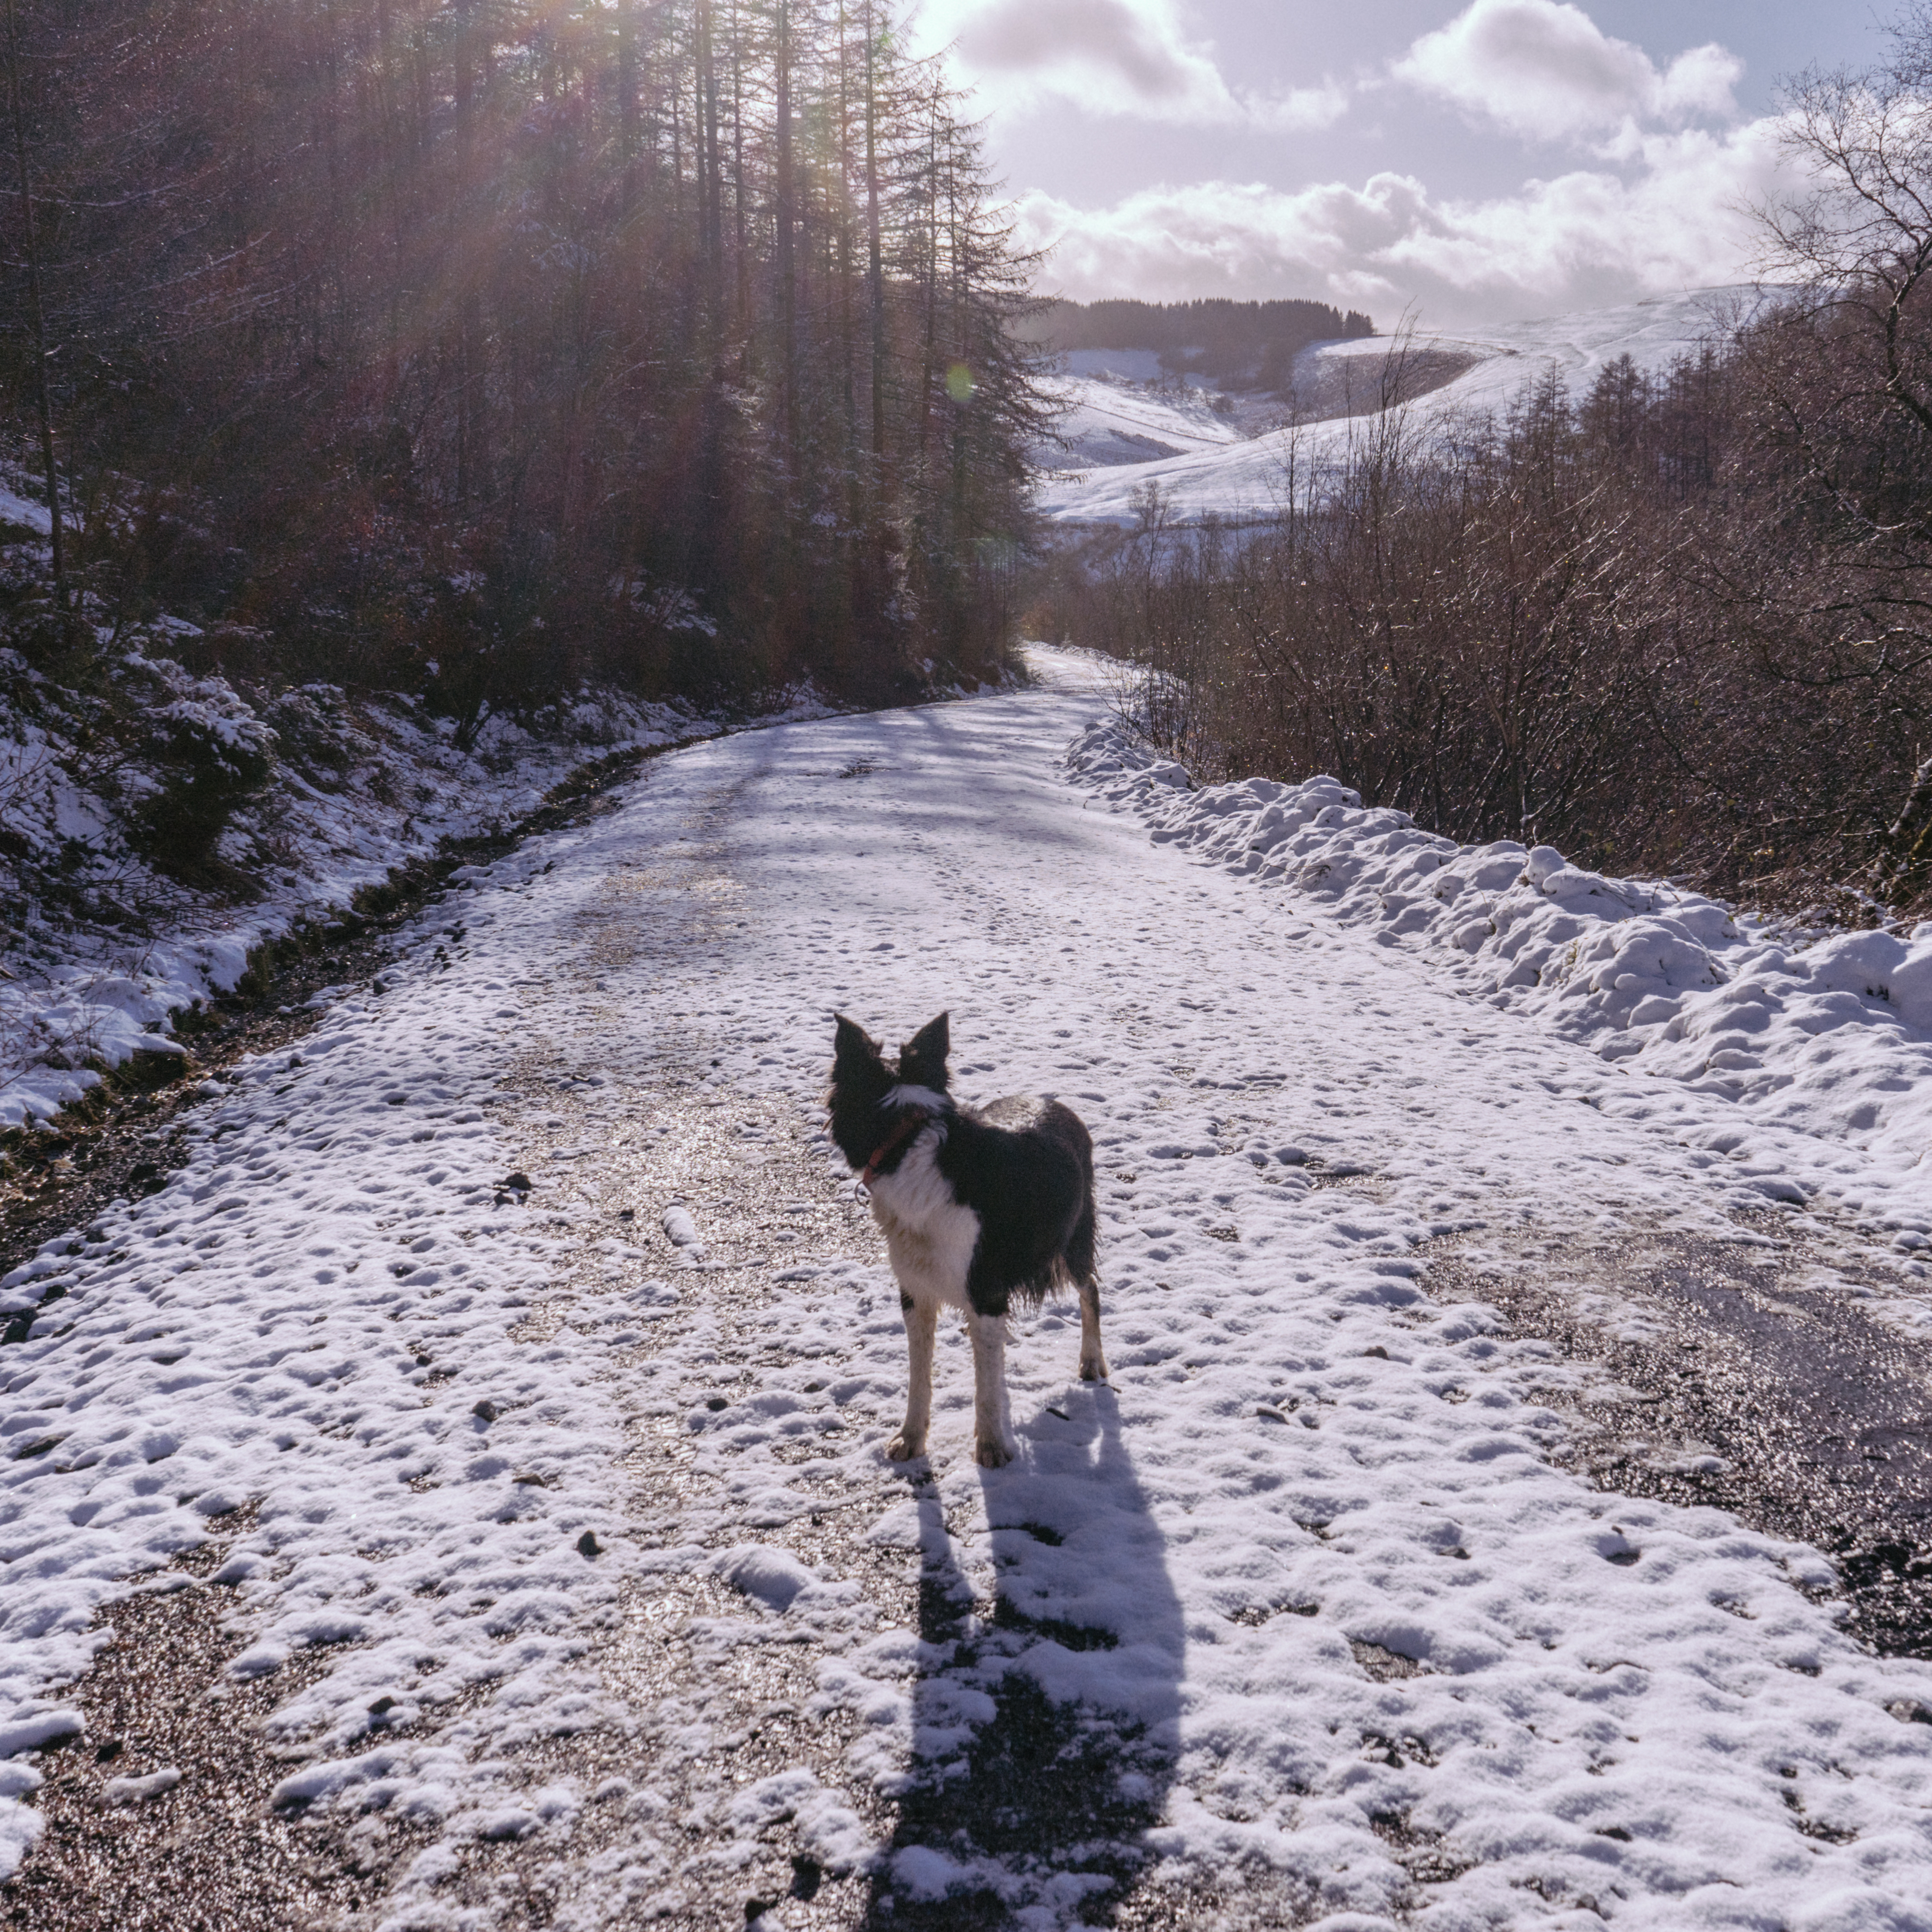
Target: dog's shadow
x=1044, y=1721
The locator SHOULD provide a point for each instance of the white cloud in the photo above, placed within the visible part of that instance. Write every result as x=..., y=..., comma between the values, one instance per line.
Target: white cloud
x=1585, y=239
x=1546, y=69
x=1112, y=57
x=1698, y=83
x=1135, y=48
x=1301, y=110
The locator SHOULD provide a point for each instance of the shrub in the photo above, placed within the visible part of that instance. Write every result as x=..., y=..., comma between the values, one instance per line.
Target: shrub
x=208, y=760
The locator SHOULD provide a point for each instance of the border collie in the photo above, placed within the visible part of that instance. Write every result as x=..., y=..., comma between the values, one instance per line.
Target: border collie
x=978, y=1205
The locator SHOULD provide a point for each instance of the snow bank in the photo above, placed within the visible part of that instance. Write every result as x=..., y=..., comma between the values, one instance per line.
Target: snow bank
x=1831, y=1040
x=23, y=513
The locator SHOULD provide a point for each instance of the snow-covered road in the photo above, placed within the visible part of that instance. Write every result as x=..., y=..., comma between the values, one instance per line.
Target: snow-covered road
x=564, y=1508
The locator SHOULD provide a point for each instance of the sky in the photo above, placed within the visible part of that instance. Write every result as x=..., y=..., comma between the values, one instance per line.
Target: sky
x=1508, y=160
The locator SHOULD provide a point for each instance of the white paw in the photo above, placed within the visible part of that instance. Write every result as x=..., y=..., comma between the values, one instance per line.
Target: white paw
x=990, y=1453
x=1093, y=1368
x=902, y=1448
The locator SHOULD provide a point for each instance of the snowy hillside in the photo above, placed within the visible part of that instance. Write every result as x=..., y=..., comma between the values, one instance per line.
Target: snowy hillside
x=107, y=927
x=1231, y=464
x=107, y=932
x=1117, y=410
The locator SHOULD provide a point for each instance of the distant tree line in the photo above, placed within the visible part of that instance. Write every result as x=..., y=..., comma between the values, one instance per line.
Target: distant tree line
x=494, y=344
x=1242, y=344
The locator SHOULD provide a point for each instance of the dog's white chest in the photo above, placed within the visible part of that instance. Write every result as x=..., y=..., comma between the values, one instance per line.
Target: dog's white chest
x=929, y=1234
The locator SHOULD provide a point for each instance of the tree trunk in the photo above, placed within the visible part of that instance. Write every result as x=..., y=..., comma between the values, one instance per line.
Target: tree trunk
x=875, y=279
x=627, y=103
x=37, y=306
x=786, y=216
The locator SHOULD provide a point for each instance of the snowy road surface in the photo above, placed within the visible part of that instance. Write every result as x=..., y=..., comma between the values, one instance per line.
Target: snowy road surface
x=519, y=1360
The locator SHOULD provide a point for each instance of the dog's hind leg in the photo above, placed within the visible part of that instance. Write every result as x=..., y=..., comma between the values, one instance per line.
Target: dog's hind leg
x=1079, y=1258
x=992, y=1440
x=922, y=1322
x=1093, y=1364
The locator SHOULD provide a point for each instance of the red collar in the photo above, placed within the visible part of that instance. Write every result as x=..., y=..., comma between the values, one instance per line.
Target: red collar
x=890, y=1145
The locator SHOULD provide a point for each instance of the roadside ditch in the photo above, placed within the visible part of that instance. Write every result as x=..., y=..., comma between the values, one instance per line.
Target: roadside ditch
x=127, y=1134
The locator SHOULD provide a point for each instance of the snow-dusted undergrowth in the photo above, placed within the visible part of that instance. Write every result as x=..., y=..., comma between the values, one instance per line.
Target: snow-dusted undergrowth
x=1830, y=1041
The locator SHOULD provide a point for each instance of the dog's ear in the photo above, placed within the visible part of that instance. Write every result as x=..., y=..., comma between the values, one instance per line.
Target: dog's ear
x=922, y=1058
x=851, y=1042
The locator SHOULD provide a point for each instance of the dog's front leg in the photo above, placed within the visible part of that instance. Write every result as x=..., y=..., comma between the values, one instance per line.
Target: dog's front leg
x=992, y=1441
x=922, y=1322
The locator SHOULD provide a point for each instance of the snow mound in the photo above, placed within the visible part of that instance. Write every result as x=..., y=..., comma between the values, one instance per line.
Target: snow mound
x=772, y=1576
x=1831, y=1040
x=30, y=1729
x=139, y=1790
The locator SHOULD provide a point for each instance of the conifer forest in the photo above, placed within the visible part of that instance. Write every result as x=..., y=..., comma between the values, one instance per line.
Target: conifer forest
x=481, y=347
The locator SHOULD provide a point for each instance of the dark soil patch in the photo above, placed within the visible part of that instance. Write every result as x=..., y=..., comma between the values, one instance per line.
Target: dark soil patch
x=208, y=1855
x=1819, y=1417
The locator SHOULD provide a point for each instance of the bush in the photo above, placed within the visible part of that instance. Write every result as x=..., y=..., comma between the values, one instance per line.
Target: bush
x=208, y=762
x=1641, y=625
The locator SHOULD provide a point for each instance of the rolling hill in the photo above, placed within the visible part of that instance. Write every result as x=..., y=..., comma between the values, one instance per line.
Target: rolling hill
x=1124, y=428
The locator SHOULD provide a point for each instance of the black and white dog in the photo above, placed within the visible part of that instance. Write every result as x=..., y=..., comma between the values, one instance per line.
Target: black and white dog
x=978, y=1205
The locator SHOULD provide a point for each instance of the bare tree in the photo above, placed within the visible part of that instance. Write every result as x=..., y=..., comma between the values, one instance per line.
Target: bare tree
x=1844, y=374
x=36, y=302
x=1859, y=234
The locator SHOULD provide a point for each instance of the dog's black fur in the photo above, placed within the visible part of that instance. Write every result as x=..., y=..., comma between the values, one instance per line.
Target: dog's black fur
x=1023, y=1165
x=978, y=1205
